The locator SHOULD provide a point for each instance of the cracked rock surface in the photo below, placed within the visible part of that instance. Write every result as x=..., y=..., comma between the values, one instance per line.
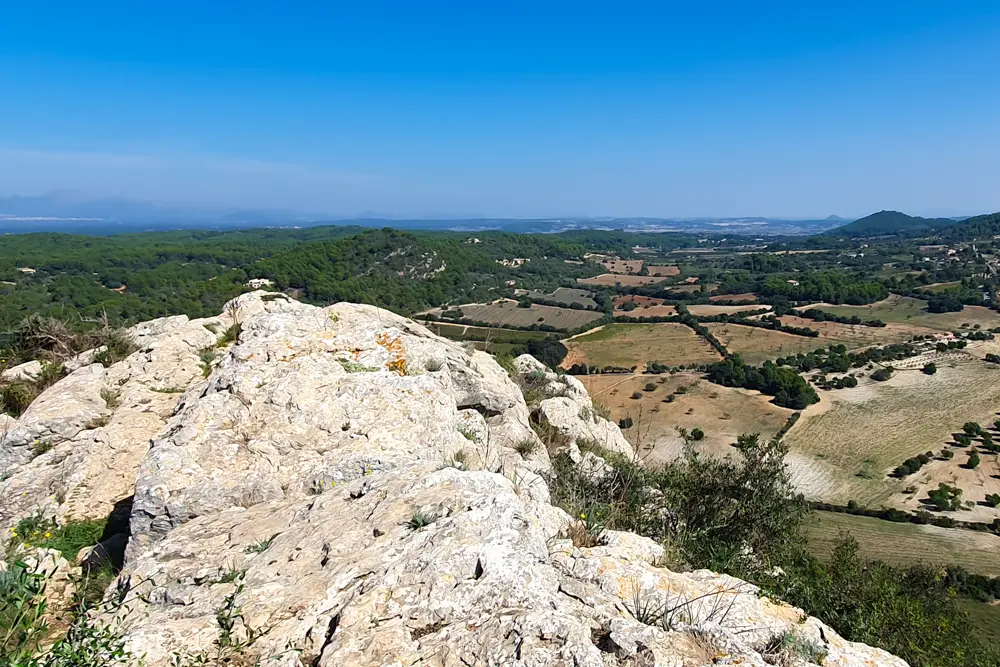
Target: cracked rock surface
x=353, y=484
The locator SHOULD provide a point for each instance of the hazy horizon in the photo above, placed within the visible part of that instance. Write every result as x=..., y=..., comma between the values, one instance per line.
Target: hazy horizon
x=788, y=111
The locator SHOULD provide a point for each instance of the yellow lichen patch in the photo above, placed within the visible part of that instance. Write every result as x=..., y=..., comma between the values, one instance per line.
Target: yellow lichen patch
x=397, y=365
x=394, y=346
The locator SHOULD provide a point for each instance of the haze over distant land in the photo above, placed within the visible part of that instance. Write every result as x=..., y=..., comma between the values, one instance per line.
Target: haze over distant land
x=70, y=212
x=789, y=111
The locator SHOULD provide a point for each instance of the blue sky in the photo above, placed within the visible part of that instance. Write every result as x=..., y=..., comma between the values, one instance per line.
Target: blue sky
x=513, y=108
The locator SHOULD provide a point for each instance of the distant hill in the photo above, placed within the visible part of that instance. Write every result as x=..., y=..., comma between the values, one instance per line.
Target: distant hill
x=890, y=222
x=980, y=226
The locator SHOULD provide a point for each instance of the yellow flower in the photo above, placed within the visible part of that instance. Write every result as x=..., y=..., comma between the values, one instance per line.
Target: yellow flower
x=48, y=535
x=583, y=516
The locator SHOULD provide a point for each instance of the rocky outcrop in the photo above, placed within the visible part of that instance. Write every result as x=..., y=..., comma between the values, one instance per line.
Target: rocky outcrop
x=368, y=493
x=567, y=413
x=74, y=454
x=26, y=372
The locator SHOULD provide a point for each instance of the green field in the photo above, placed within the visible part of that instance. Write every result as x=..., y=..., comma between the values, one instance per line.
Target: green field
x=495, y=336
x=905, y=543
x=940, y=287
x=985, y=617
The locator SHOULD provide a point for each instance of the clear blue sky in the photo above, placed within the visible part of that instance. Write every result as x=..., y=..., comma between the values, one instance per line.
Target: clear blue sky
x=508, y=108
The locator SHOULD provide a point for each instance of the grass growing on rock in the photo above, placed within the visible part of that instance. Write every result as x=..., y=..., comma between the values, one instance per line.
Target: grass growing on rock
x=68, y=539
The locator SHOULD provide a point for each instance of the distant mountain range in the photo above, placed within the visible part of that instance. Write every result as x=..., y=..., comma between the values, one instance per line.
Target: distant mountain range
x=70, y=212
x=73, y=213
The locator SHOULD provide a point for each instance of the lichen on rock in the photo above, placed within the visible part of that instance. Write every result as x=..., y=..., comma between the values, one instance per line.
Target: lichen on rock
x=362, y=490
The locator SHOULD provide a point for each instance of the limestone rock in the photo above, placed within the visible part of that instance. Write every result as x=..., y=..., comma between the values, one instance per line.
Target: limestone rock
x=576, y=424
x=25, y=372
x=369, y=494
x=58, y=414
x=90, y=472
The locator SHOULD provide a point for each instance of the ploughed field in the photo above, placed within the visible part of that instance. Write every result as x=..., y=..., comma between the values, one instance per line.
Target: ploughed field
x=646, y=306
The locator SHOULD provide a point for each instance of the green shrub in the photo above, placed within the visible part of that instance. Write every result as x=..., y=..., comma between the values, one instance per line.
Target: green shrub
x=526, y=447
x=117, y=343
x=16, y=397
x=420, y=519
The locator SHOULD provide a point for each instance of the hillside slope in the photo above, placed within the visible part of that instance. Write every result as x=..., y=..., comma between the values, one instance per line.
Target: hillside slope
x=889, y=222
x=356, y=487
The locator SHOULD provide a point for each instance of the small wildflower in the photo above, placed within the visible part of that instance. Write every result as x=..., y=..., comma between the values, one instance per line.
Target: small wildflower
x=583, y=516
x=48, y=535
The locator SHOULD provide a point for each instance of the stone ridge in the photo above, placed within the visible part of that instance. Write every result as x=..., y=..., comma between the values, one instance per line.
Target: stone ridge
x=352, y=483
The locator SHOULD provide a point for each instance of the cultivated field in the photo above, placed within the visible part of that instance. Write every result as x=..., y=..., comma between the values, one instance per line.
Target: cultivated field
x=746, y=297
x=618, y=279
x=461, y=332
x=934, y=288
x=508, y=313
x=623, y=265
x=845, y=446
x=907, y=310
x=628, y=345
x=648, y=311
x=857, y=335
x=757, y=345
x=705, y=310
x=664, y=270
x=723, y=413
x=638, y=300
x=647, y=306
x=905, y=543
x=566, y=296
x=691, y=288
